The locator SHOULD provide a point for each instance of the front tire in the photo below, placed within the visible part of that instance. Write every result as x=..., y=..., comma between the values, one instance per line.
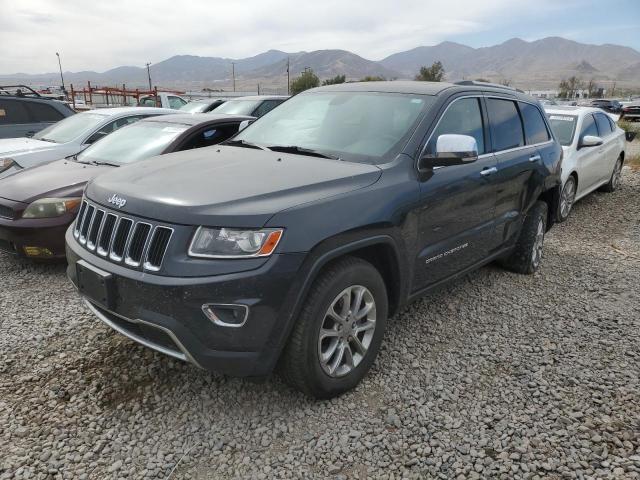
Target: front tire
x=616, y=177
x=527, y=254
x=338, y=333
x=567, y=199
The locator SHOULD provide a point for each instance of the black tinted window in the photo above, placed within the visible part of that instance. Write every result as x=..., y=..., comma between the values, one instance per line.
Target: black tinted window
x=506, y=127
x=13, y=112
x=463, y=117
x=604, y=127
x=588, y=127
x=266, y=107
x=534, y=126
x=41, y=112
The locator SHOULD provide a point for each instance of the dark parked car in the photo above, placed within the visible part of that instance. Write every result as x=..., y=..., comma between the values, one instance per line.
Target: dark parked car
x=24, y=112
x=37, y=205
x=611, y=106
x=295, y=241
x=202, y=106
x=255, y=106
x=631, y=112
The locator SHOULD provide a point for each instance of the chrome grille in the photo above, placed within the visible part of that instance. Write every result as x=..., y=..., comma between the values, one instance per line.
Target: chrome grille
x=121, y=238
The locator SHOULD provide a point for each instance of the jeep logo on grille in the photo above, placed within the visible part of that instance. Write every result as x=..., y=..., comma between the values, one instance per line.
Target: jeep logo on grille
x=117, y=201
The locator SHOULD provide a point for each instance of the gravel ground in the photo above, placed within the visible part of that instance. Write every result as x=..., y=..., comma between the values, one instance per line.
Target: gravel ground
x=498, y=375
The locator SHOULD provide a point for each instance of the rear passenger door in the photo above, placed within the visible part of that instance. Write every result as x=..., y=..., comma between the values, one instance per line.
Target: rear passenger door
x=456, y=215
x=518, y=131
x=15, y=120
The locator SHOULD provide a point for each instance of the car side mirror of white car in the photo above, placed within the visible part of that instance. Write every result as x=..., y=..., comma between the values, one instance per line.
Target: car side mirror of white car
x=590, y=141
x=244, y=124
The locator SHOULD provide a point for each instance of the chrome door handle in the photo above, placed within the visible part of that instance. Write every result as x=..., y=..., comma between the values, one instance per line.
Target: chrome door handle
x=488, y=171
x=535, y=158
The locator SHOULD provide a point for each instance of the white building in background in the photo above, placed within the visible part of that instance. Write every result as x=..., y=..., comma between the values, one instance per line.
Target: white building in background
x=582, y=93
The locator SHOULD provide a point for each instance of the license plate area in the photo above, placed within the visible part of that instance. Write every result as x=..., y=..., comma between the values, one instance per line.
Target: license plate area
x=95, y=284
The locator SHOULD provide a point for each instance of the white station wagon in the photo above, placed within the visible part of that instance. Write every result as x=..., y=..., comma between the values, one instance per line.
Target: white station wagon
x=594, y=150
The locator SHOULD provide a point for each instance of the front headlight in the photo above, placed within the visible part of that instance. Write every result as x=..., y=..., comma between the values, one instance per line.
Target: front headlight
x=50, y=207
x=234, y=243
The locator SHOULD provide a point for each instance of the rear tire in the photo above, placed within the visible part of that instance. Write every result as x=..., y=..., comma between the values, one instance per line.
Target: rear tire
x=339, y=330
x=527, y=254
x=616, y=177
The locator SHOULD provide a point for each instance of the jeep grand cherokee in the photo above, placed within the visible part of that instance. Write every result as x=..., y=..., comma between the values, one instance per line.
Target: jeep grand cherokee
x=293, y=243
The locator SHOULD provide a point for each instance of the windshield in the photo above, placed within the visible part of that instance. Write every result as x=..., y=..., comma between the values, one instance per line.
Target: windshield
x=563, y=127
x=194, y=107
x=238, y=107
x=71, y=128
x=134, y=142
x=355, y=126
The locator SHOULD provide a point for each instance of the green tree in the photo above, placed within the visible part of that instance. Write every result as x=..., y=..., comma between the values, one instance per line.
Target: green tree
x=569, y=88
x=305, y=81
x=335, y=80
x=373, y=78
x=434, y=73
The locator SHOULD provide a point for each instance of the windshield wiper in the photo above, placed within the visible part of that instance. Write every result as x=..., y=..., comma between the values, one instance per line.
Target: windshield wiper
x=47, y=140
x=301, y=151
x=243, y=143
x=111, y=164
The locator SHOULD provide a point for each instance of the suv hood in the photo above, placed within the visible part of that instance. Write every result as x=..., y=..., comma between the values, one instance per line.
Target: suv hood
x=62, y=178
x=226, y=186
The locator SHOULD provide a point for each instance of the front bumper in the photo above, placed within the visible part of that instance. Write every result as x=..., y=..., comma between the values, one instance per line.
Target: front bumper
x=41, y=238
x=165, y=313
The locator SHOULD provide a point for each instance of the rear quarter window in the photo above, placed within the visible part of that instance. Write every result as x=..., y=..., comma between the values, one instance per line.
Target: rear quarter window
x=41, y=112
x=506, y=126
x=535, y=128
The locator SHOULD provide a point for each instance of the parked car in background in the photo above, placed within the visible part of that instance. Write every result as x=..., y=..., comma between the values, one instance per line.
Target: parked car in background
x=293, y=242
x=547, y=101
x=24, y=112
x=37, y=205
x=68, y=137
x=255, y=106
x=163, y=100
x=631, y=112
x=202, y=106
x=593, y=153
x=609, y=106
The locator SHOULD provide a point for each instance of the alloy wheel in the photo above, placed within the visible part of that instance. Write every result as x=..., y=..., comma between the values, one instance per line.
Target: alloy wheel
x=347, y=331
x=617, y=175
x=567, y=197
x=538, y=244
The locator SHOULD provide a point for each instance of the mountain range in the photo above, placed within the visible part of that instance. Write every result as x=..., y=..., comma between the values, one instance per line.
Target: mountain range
x=536, y=64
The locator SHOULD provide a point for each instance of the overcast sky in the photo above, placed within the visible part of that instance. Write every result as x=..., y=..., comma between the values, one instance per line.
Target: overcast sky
x=102, y=34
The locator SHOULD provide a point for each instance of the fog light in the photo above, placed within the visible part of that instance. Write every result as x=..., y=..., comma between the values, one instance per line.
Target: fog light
x=37, y=252
x=226, y=315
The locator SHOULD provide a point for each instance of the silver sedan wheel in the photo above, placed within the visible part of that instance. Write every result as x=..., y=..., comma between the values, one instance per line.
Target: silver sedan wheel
x=617, y=175
x=568, y=197
x=536, y=255
x=347, y=331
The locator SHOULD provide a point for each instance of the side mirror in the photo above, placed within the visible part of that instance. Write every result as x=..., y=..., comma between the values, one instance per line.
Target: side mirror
x=590, y=141
x=451, y=149
x=244, y=124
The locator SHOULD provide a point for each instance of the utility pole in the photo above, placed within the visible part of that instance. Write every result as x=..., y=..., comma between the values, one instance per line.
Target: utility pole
x=233, y=74
x=288, y=80
x=149, y=74
x=61, y=77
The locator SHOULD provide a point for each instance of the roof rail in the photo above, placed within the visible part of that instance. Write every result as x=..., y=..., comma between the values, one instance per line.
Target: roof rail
x=487, y=84
x=13, y=90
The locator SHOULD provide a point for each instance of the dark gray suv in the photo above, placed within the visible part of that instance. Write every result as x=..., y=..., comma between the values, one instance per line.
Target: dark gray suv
x=293, y=243
x=23, y=112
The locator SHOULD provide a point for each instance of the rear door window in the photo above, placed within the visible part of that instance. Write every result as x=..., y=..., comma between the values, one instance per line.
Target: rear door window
x=13, y=112
x=41, y=112
x=463, y=117
x=506, y=126
x=535, y=128
x=604, y=127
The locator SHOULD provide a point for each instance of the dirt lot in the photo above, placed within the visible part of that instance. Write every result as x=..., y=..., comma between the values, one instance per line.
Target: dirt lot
x=498, y=375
